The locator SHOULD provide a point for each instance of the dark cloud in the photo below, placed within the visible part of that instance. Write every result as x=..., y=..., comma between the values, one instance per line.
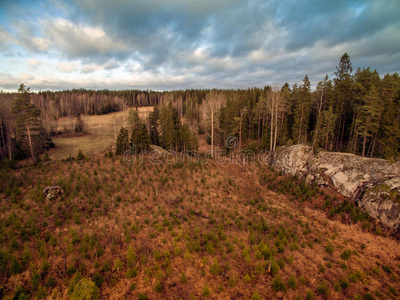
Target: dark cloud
x=225, y=43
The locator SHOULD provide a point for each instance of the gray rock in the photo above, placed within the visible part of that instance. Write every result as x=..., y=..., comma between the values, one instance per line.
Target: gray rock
x=53, y=192
x=382, y=201
x=375, y=183
x=293, y=160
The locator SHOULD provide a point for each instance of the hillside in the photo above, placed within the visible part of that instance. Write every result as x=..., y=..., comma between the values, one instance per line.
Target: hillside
x=182, y=231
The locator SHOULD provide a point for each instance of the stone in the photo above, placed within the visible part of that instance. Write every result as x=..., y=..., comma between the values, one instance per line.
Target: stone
x=373, y=182
x=53, y=192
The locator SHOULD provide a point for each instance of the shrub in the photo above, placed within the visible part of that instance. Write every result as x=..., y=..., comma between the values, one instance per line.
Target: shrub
x=292, y=283
x=387, y=269
x=215, y=269
x=310, y=295
x=15, y=267
x=346, y=254
x=130, y=273
x=21, y=294
x=278, y=284
x=158, y=287
x=323, y=289
x=206, y=291
x=183, y=277
x=256, y=296
x=80, y=156
x=85, y=289
x=98, y=279
x=329, y=248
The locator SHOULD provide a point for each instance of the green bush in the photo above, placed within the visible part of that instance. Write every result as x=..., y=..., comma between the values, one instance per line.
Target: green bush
x=329, y=248
x=278, y=284
x=292, y=283
x=323, y=289
x=80, y=156
x=98, y=279
x=256, y=296
x=85, y=289
x=346, y=254
x=15, y=267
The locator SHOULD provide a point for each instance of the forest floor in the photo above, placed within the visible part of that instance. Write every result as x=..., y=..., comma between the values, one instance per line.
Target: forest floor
x=183, y=231
x=99, y=137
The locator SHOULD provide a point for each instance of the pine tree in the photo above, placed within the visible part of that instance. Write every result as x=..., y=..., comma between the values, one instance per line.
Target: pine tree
x=27, y=117
x=327, y=131
x=343, y=93
x=369, y=115
x=390, y=131
x=320, y=98
x=302, y=111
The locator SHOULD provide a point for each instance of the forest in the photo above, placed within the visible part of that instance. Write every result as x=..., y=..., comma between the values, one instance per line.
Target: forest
x=355, y=112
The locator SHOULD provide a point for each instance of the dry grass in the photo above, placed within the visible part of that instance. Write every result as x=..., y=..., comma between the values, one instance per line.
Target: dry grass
x=101, y=131
x=160, y=210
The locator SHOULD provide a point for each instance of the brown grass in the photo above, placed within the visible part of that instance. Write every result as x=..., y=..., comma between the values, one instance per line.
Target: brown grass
x=99, y=137
x=235, y=199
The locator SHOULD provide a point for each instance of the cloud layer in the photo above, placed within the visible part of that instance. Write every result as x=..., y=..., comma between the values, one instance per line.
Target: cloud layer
x=178, y=44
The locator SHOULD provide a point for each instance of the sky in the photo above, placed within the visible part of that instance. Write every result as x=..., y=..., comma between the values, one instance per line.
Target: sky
x=187, y=44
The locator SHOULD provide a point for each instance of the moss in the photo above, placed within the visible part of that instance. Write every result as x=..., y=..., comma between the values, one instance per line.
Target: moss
x=384, y=192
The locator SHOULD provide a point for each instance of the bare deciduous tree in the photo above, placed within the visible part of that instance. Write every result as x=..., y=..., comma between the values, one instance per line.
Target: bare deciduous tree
x=209, y=114
x=276, y=107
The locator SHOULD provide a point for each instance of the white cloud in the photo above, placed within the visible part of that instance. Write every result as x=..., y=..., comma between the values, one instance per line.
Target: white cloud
x=67, y=67
x=80, y=40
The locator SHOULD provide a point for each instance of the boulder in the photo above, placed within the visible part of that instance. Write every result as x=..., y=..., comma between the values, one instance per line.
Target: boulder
x=373, y=182
x=293, y=160
x=381, y=200
x=53, y=192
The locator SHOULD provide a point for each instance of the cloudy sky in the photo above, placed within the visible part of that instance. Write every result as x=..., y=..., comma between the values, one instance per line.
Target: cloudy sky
x=179, y=44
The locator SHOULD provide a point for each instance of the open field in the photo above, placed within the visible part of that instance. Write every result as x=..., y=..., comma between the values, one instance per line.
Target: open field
x=100, y=133
x=182, y=231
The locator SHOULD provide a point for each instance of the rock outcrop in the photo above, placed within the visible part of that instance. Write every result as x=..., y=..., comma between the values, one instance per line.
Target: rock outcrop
x=374, y=183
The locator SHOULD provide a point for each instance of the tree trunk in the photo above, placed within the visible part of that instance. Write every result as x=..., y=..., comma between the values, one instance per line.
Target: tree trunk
x=3, y=140
x=327, y=136
x=271, y=133
x=30, y=142
x=301, y=121
x=365, y=141
x=276, y=123
x=342, y=135
x=212, y=134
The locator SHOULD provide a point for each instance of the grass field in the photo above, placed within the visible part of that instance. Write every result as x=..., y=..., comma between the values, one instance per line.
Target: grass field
x=184, y=231
x=99, y=137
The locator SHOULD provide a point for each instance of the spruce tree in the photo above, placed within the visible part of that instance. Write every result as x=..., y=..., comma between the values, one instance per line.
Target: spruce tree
x=122, y=141
x=79, y=124
x=154, y=124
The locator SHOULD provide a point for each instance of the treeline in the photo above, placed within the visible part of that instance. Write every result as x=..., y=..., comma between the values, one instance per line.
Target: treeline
x=356, y=112
x=163, y=128
x=70, y=103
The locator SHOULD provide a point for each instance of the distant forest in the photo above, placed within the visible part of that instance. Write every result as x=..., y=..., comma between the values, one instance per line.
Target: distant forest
x=356, y=112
